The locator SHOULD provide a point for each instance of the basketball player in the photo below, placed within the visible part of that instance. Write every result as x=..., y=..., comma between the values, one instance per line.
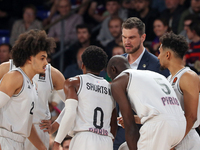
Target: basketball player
x=18, y=91
x=153, y=99
x=186, y=85
x=89, y=106
x=46, y=82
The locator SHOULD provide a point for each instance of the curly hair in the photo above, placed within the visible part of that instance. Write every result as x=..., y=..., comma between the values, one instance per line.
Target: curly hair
x=30, y=44
x=134, y=22
x=94, y=58
x=176, y=43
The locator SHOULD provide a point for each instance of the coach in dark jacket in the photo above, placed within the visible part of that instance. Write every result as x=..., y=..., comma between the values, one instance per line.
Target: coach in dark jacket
x=133, y=36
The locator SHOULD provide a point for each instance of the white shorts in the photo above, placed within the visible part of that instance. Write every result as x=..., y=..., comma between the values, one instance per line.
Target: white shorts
x=10, y=140
x=44, y=136
x=190, y=142
x=160, y=133
x=90, y=141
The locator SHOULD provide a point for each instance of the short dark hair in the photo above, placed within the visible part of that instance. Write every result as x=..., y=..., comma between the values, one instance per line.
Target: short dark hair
x=176, y=43
x=191, y=17
x=7, y=44
x=115, y=18
x=134, y=22
x=65, y=139
x=30, y=44
x=195, y=26
x=94, y=58
x=83, y=26
x=31, y=7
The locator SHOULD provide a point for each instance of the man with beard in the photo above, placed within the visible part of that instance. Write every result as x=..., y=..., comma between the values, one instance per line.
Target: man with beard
x=186, y=84
x=133, y=36
x=83, y=33
x=115, y=28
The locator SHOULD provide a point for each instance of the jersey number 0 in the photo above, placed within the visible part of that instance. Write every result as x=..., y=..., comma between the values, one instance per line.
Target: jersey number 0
x=96, y=116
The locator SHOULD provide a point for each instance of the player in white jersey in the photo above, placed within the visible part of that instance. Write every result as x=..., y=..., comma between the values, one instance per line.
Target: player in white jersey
x=186, y=85
x=18, y=93
x=153, y=99
x=89, y=106
x=46, y=82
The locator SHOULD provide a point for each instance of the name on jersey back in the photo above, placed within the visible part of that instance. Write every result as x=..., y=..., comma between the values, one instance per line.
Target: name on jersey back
x=98, y=88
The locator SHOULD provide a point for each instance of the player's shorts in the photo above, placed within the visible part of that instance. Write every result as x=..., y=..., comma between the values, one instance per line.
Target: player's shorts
x=190, y=142
x=160, y=133
x=44, y=136
x=90, y=141
x=11, y=141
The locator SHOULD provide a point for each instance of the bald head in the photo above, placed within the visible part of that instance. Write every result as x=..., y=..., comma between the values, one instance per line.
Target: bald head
x=116, y=65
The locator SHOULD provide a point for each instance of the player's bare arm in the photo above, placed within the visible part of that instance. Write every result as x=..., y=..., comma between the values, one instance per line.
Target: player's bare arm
x=35, y=139
x=4, y=68
x=189, y=84
x=57, y=78
x=113, y=123
x=118, y=88
x=71, y=87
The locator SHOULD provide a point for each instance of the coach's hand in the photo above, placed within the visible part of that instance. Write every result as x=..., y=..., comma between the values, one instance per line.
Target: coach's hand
x=45, y=125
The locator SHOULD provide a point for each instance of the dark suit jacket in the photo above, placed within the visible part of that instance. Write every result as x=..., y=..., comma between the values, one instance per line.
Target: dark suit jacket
x=147, y=62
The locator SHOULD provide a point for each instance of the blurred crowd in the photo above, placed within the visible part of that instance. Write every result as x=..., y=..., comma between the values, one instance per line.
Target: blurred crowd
x=76, y=24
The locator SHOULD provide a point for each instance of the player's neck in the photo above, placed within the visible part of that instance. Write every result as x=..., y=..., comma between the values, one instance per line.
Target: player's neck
x=28, y=71
x=175, y=67
x=94, y=73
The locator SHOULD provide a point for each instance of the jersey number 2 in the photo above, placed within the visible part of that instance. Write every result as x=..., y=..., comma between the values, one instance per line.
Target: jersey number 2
x=96, y=116
x=31, y=111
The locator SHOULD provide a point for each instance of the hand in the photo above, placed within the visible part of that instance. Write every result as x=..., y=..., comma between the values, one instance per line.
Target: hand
x=137, y=119
x=56, y=146
x=46, y=125
x=120, y=121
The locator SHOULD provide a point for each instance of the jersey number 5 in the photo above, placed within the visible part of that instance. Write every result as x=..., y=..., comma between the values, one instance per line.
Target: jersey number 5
x=164, y=87
x=96, y=116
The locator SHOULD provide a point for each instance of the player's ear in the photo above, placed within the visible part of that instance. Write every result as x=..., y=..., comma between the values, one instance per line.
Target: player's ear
x=113, y=69
x=168, y=54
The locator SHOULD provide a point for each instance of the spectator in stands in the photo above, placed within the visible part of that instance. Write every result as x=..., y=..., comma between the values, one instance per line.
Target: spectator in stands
x=28, y=22
x=160, y=27
x=173, y=13
x=65, y=143
x=115, y=28
x=5, y=54
x=158, y=4
x=97, y=9
x=118, y=50
x=114, y=9
x=147, y=15
x=83, y=33
x=66, y=27
x=193, y=9
x=187, y=21
x=75, y=69
x=193, y=54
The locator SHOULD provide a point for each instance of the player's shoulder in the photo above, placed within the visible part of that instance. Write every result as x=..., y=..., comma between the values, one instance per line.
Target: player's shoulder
x=73, y=81
x=14, y=77
x=189, y=75
x=56, y=74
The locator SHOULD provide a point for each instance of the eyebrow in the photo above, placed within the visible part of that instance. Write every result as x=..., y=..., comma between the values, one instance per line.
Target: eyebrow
x=44, y=56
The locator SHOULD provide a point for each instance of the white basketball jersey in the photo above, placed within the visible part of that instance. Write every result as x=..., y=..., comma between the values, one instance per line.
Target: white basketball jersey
x=151, y=94
x=17, y=115
x=174, y=81
x=45, y=89
x=95, y=105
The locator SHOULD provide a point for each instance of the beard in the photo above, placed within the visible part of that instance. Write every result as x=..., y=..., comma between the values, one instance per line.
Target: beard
x=162, y=67
x=133, y=50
